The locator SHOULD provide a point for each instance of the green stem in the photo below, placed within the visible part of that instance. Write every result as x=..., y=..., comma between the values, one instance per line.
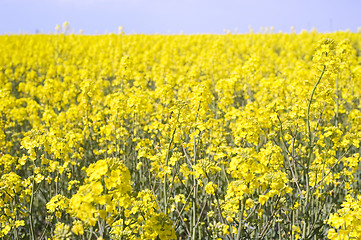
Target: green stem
x=240, y=225
x=310, y=146
x=337, y=99
x=165, y=190
x=309, y=104
x=195, y=183
x=44, y=231
x=185, y=204
x=16, y=215
x=31, y=209
x=194, y=202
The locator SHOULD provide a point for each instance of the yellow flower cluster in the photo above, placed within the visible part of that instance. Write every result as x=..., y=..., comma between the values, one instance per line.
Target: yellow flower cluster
x=346, y=222
x=236, y=136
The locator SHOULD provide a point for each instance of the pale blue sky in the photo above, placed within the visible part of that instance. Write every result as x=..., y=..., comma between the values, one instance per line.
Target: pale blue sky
x=173, y=16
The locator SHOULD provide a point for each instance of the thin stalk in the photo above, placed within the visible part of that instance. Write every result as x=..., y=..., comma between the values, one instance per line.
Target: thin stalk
x=165, y=190
x=337, y=99
x=288, y=160
x=195, y=183
x=44, y=231
x=200, y=215
x=330, y=170
x=268, y=224
x=184, y=224
x=185, y=204
x=310, y=136
x=16, y=216
x=240, y=225
x=309, y=104
x=31, y=210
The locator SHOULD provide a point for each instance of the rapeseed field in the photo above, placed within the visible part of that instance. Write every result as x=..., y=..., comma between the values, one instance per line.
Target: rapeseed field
x=234, y=136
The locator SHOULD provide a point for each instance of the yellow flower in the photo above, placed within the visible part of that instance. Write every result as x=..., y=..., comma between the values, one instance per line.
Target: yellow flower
x=122, y=127
x=77, y=228
x=62, y=232
x=19, y=223
x=262, y=199
x=211, y=188
x=160, y=225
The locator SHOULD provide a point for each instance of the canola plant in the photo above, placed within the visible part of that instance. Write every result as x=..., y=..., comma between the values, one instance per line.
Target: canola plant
x=234, y=136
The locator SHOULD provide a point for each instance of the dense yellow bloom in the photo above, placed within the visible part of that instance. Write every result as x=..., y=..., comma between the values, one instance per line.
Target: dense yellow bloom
x=78, y=228
x=57, y=202
x=347, y=221
x=210, y=188
x=117, y=134
x=62, y=232
x=159, y=225
x=84, y=204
